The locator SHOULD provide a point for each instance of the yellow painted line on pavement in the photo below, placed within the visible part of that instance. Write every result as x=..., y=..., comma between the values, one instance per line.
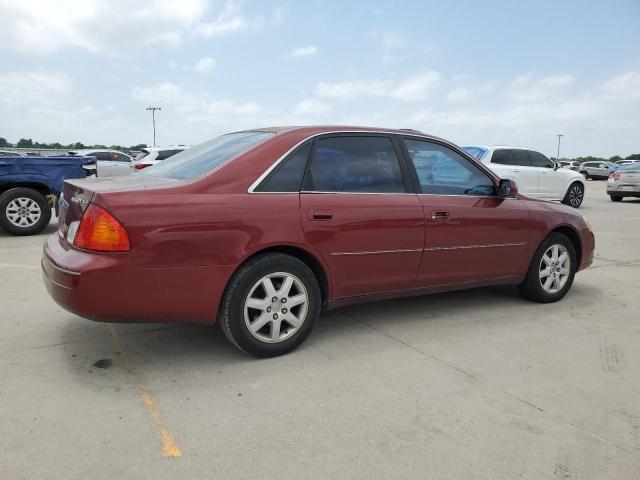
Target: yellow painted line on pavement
x=170, y=447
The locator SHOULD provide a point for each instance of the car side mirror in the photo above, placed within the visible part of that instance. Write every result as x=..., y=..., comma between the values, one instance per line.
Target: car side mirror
x=507, y=188
x=556, y=165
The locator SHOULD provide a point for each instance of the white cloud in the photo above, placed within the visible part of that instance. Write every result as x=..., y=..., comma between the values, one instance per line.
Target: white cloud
x=229, y=20
x=200, y=111
x=527, y=88
x=389, y=40
x=205, y=64
x=112, y=26
x=461, y=94
x=414, y=87
x=309, y=106
x=623, y=87
x=302, y=52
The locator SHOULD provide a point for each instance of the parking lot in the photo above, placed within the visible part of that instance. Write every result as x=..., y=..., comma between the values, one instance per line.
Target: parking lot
x=475, y=384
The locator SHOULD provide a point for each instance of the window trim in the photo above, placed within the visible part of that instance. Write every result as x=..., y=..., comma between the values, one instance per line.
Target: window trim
x=405, y=161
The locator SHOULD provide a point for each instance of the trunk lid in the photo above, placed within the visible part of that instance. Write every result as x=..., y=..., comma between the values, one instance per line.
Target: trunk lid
x=78, y=194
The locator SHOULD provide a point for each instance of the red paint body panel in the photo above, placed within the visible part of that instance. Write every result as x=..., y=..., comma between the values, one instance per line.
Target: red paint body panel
x=392, y=226
x=189, y=237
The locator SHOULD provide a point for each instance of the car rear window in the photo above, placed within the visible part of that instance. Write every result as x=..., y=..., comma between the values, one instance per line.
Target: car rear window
x=362, y=164
x=201, y=159
x=475, y=152
x=142, y=154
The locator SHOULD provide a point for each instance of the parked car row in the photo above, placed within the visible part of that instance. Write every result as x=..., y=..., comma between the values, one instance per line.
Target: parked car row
x=112, y=163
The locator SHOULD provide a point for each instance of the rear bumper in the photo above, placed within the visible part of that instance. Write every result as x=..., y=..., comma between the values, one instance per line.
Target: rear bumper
x=105, y=287
x=623, y=190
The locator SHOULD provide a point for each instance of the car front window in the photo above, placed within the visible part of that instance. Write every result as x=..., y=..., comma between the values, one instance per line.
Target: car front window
x=441, y=171
x=202, y=159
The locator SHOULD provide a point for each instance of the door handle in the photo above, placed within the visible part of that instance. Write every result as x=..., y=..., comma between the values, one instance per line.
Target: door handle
x=320, y=214
x=439, y=215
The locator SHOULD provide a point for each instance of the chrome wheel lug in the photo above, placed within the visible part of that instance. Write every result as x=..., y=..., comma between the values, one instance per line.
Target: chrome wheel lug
x=284, y=300
x=275, y=316
x=274, y=299
x=268, y=309
x=284, y=311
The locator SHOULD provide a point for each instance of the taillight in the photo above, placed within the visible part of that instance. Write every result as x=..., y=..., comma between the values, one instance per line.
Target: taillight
x=614, y=175
x=140, y=166
x=101, y=232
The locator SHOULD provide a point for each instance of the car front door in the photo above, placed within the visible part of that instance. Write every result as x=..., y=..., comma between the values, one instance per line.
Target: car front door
x=551, y=184
x=357, y=210
x=120, y=164
x=471, y=233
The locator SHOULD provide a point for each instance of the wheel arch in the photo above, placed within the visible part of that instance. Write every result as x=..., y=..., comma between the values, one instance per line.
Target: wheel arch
x=38, y=187
x=309, y=259
x=572, y=234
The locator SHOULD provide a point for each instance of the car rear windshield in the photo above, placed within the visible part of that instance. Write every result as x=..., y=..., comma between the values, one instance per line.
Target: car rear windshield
x=201, y=159
x=631, y=166
x=475, y=152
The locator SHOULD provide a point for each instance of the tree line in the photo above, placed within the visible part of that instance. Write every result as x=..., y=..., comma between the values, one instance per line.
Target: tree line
x=29, y=143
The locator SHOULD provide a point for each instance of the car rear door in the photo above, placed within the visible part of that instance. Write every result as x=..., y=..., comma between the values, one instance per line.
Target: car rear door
x=357, y=209
x=512, y=163
x=471, y=233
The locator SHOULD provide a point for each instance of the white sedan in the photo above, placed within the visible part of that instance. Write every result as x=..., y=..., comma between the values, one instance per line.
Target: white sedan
x=535, y=174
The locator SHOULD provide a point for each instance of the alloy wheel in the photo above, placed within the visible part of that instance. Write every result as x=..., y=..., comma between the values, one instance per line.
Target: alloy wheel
x=276, y=307
x=555, y=268
x=23, y=212
x=575, y=195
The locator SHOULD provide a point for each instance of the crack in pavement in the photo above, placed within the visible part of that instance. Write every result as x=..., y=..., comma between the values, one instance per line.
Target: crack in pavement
x=488, y=385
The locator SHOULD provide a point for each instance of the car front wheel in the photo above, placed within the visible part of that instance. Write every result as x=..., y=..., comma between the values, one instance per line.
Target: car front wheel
x=270, y=305
x=615, y=198
x=574, y=195
x=552, y=269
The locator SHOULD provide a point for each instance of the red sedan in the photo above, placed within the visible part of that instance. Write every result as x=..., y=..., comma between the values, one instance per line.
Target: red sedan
x=263, y=229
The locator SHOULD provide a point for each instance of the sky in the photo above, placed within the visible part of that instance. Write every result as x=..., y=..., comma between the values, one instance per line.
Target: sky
x=490, y=72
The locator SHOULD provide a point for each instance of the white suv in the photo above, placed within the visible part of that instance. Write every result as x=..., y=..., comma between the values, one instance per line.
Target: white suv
x=535, y=174
x=151, y=155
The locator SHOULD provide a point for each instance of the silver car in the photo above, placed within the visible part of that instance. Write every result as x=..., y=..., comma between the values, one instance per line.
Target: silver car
x=596, y=170
x=624, y=183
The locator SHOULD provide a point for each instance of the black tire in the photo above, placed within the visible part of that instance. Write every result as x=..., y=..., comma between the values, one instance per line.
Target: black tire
x=232, y=315
x=615, y=198
x=532, y=287
x=32, y=195
x=585, y=175
x=574, y=195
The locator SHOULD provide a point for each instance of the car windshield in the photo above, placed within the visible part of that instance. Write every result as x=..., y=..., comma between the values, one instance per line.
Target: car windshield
x=201, y=159
x=475, y=152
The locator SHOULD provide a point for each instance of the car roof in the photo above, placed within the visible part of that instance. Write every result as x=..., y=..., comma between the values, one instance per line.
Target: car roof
x=320, y=129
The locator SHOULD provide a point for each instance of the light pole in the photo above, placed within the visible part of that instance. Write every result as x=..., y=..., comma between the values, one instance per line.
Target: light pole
x=153, y=116
x=558, y=155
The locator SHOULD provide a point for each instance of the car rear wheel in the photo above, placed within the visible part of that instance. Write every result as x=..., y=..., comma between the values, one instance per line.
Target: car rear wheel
x=585, y=175
x=270, y=305
x=615, y=198
x=574, y=195
x=24, y=211
x=552, y=269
